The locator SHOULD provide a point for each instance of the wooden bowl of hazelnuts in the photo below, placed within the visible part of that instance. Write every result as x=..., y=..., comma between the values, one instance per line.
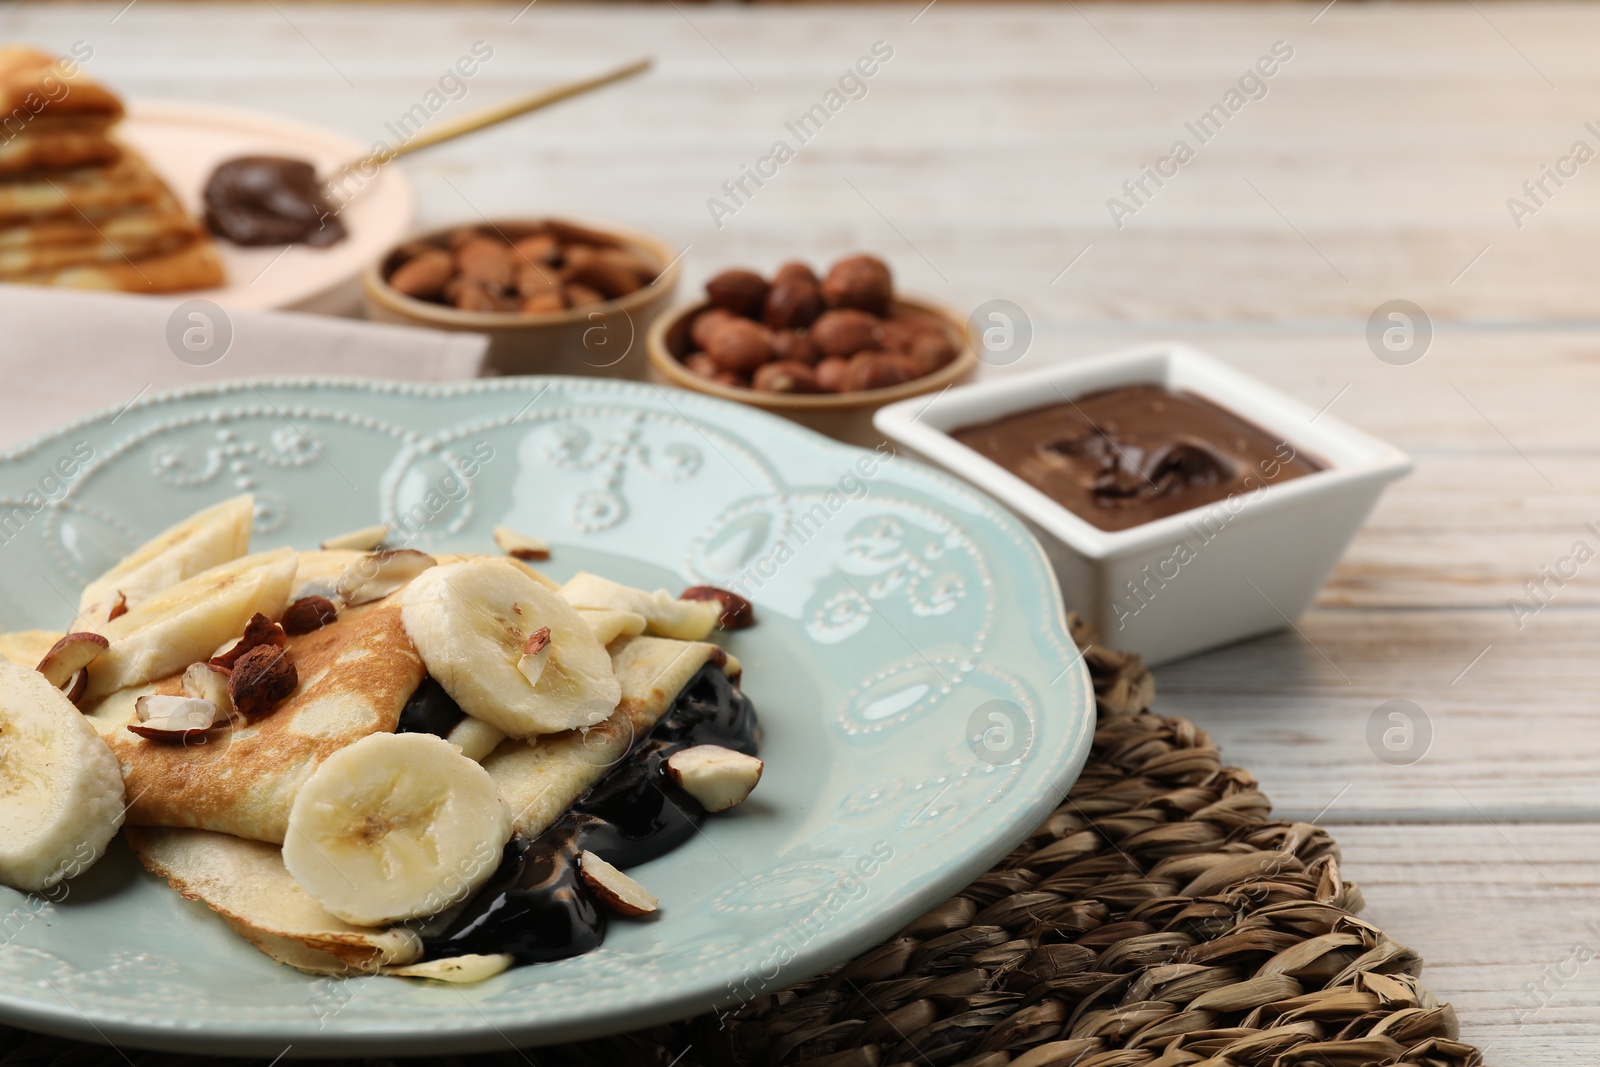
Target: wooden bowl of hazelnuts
x=824, y=351
x=554, y=296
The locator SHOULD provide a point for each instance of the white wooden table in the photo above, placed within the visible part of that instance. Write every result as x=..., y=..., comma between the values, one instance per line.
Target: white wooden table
x=1377, y=166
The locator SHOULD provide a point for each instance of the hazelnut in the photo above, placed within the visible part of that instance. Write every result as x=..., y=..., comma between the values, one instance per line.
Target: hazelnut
x=878, y=370
x=792, y=304
x=931, y=352
x=488, y=261
x=424, y=276
x=784, y=376
x=259, y=631
x=701, y=364
x=795, y=345
x=829, y=374
x=740, y=346
x=740, y=291
x=793, y=271
x=707, y=323
x=732, y=381
x=844, y=332
x=262, y=678
x=859, y=282
x=309, y=613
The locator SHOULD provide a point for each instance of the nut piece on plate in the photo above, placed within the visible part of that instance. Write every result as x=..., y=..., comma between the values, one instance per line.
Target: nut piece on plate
x=365, y=539
x=259, y=631
x=172, y=718
x=718, y=778
x=737, y=612
x=63, y=666
x=519, y=545
x=262, y=679
x=309, y=613
x=614, y=889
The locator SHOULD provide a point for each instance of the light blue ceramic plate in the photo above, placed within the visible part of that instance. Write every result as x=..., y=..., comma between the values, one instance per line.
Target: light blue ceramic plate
x=924, y=706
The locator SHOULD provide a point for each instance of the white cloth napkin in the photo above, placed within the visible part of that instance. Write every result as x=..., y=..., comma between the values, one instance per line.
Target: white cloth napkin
x=67, y=353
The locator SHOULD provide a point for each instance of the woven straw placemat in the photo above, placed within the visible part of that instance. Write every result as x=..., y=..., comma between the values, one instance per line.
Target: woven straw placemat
x=1159, y=918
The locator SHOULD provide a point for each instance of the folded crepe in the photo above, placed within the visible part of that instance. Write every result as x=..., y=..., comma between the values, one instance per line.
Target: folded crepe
x=35, y=85
x=195, y=265
x=540, y=778
x=58, y=149
x=356, y=675
x=84, y=193
x=246, y=883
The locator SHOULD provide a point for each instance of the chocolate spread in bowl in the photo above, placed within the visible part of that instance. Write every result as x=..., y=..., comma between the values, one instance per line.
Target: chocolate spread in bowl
x=270, y=200
x=1127, y=456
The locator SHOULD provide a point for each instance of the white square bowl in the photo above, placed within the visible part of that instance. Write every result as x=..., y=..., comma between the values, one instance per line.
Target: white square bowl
x=1218, y=573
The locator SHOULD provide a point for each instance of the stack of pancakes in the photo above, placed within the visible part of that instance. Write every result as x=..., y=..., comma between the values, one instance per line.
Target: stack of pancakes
x=77, y=207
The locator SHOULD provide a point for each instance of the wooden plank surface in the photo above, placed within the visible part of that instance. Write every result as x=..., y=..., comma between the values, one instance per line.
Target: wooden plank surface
x=1377, y=165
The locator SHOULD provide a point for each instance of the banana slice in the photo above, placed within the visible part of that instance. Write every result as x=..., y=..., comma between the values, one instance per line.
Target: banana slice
x=457, y=969
x=217, y=535
x=471, y=622
x=608, y=625
x=61, y=796
x=665, y=615
x=191, y=620
x=395, y=826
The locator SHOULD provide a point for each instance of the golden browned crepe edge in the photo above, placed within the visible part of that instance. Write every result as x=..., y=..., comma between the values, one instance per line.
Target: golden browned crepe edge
x=32, y=84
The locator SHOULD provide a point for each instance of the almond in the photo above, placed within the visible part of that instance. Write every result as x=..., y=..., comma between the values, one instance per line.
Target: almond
x=582, y=295
x=707, y=323
x=261, y=679
x=590, y=266
x=424, y=277
x=486, y=260
x=542, y=248
x=829, y=374
x=878, y=370
x=614, y=889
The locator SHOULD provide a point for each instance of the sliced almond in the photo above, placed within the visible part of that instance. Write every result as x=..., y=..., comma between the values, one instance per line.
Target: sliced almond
x=520, y=546
x=171, y=718
x=535, y=655
x=376, y=575
x=259, y=631
x=202, y=681
x=76, y=685
x=616, y=890
x=363, y=540
x=718, y=778
x=70, y=655
x=457, y=969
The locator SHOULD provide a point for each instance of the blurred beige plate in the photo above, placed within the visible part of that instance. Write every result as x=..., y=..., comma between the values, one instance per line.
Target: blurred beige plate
x=184, y=142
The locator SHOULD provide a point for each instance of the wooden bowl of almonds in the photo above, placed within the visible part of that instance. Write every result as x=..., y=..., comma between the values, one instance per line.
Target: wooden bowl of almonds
x=554, y=296
x=826, y=351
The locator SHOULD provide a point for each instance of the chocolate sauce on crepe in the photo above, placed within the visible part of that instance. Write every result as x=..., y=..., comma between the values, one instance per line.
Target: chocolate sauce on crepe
x=1130, y=455
x=536, y=906
x=270, y=200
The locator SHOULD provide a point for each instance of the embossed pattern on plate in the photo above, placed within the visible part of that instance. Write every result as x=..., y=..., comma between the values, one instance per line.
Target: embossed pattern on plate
x=923, y=704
